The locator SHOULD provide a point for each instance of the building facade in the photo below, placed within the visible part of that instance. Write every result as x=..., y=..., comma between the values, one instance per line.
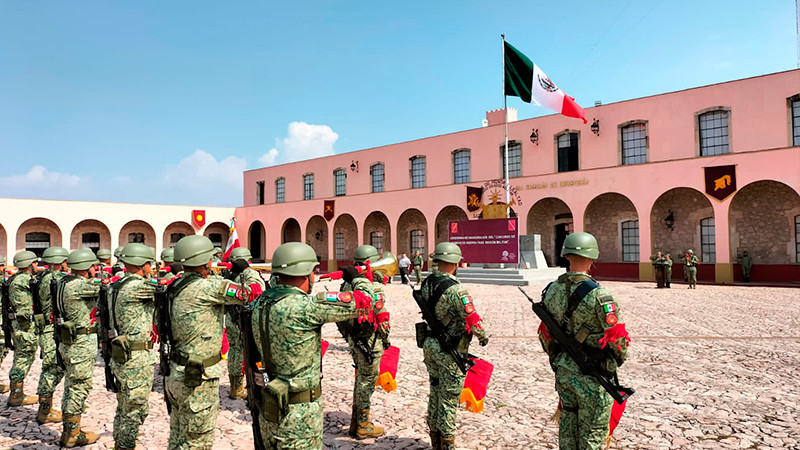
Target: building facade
x=34, y=225
x=715, y=169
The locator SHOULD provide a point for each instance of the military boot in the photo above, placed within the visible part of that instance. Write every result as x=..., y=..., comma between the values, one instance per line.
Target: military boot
x=436, y=440
x=73, y=435
x=237, y=388
x=448, y=443
x=367, y=429
x=18, y=397
x=46, y=412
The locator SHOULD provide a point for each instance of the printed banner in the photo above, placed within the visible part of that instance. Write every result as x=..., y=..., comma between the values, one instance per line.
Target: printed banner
x=720, y=181
x=474, y=195
x=489, y=241
x=328, y=213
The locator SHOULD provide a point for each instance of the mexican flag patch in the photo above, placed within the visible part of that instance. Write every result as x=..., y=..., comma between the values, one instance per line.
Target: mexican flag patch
x=609, y=308
x=232, y=291
x=344, y=297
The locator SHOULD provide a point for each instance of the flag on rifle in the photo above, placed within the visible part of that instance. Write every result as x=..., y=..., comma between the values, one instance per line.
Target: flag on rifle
x=233, y=240
x=476, y=384
x=388, y=371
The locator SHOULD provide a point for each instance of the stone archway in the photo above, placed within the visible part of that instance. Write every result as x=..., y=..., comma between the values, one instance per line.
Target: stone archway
x=762, y=218
x=345, y=233
x=138, y=231
x=37, y=234
x=412, y=222
x=92, y=234
x=552, y=219
x=3, y=242
x=217, y=232
x=604, y=218
x=290, y=231
x=317, y=238
x=377, y=228
x=688, y=207
x=257, y=241
x=175, y=231
x=446, y=215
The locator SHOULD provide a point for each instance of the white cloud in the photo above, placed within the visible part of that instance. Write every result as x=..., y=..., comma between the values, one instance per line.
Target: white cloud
x=303, y=141
x=200, y=179
x=38, y=182
x=38, y=174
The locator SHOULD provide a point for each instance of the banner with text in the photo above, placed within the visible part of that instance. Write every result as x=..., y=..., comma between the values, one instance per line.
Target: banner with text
x=490, y=241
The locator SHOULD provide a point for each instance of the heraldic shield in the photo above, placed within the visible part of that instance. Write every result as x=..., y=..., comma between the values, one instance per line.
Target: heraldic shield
x=328, y=212
x=720, y=181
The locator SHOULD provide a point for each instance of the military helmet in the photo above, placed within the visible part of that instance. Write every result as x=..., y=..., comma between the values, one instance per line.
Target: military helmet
x=24, y=259
x=55, y=255
x=82, y=259
x=217, y=250
x=168, y=255
x=240, y=253
x=136, y=254
x=117, y=251
x=152, y=253
x=294, y=259
x=447, y=252
x=366, y=253
x=194, y=250
x=581, y=244
x=104, y=253
x=690, y=252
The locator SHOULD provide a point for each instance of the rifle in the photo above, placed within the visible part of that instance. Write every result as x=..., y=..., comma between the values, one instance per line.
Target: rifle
x=106, y=336
x=573, y=348
x=58, y=316
x=445, y=341
x=8, y=314
x=164, y=326
x=254, y=376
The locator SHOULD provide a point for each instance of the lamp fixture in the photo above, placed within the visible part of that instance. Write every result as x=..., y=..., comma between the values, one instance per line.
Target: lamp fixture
x=354, y=166
x=535, y=136
x=596, y=127
x=669, y=221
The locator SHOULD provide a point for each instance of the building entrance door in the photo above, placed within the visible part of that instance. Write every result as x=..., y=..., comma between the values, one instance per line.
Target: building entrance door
x=561, y=232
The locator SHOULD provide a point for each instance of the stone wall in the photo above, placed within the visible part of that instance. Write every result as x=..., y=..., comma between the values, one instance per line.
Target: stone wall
x=90, y=226
x=138, y=226
x=38, y=225
x=542, y=220
x=411, y=219
x=688, y=207
x=346, y=225
x=445, y=216
x=603, y=219
x=317, y=236
x=762, y=222
x=377, y=221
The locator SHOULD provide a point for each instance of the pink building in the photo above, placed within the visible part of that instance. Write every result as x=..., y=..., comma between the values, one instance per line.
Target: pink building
x=715, y=169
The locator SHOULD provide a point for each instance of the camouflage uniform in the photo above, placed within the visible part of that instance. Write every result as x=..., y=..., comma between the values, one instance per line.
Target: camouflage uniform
x=690, y=263
x=667, y=271
x=295, y=322
x=79, y=296
x=26, y=337
x=747, y=264
x=446, y=380
x=3, y=349
x=131, y=311
x=418, y=261
x=51, y=373
x=586, y=406
x=235, y=359
x=197, y=313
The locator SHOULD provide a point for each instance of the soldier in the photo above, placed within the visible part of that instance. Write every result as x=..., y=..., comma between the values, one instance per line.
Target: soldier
x=658, y=266
x=667, y=270
x=287, y=323
x=217, y=255
x=591, y=315
x=747, y=264
x=690, y=263
x=365, y=346
x=197, y=308
x=51, y=375
x=453, y=308
x=241, y=272
x=77, y=296
x=25, y=337
x=169, y=269
x=3, y=350
x=104, y=255
x=418, y=261
x=131, y=317
x=118, y=268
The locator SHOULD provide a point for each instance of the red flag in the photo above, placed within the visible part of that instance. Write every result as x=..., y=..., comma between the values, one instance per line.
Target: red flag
x=388, y=371
x=476, y=384
x=199, y=217
x=233, y=240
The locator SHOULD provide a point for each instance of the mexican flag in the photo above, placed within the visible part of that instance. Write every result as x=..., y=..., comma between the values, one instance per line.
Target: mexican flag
x=526, y=80
x=233, y=240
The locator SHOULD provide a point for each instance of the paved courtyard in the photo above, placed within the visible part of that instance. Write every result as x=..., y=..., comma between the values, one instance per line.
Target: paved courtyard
x=716, y=367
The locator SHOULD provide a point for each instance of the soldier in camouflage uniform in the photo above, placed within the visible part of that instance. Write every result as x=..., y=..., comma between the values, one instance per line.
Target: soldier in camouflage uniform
x=217, y=258
x=25, y=337
x=592, y=318
x=363, y=337
x=56, y=258
x=240, y=258
x=197, y=309
x=168, y=270
x=747, y=264
x=667, y=270
x=77, y=296
x=131, y=316
x=104, y=256
x=3, y=350
x=690, y=263
x=456, y=312
x=418, y=262
x=287, y=324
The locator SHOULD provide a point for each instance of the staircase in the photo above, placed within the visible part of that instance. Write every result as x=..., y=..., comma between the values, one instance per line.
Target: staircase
x=506, y=277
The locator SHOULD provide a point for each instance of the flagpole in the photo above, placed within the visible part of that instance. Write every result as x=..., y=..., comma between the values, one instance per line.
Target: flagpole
x=505, y=112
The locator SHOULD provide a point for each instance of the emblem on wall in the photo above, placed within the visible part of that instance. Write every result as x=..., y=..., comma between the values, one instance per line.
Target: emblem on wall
x=199, y=217
x=720, y=181
x=488, y=201
x=328, y=212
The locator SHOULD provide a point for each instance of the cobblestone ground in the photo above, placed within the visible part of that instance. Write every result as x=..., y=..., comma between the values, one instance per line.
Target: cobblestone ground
x=715, y=367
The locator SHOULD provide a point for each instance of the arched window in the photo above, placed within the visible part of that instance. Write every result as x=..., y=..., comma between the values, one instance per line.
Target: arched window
x=37, y=242
x=417, y=171
x=417, y=241
x=630, y=240
x=713, y=129
x=174, y=238
x=376, y=240
x=567, y=151
x=137, y=238
x=633, y=142
x=338, y=243
x=794, y=113
x=340, y=182
x=376, y=172
x=514, y=160
x=708, y=241
x=308, y=186
x=280, y=190
x=91, y=240
x=216, y=239
x=461, y=166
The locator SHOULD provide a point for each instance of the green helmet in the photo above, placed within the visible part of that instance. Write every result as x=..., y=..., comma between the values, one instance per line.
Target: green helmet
x=117, y=251
x=104, y=253
x=690, y=252
x=194, y=250
x=55, y=255
x=240, y=253
x=152, y=253
x=447, y=252
x=217, y=250
x=81, y=259
x=581, y=244
x=294, y=259
x=168, y=255
x=366, y=253
x=136, y=254
x=24, y=259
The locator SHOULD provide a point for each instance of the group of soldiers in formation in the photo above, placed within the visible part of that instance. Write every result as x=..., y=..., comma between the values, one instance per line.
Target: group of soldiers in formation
x=662, y=263
x=274, y=330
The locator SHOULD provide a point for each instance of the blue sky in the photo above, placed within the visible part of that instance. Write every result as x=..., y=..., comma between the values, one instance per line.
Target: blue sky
x=167, y=102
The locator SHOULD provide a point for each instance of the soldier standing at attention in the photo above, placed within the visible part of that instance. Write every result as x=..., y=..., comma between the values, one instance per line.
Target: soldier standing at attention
x=77, y=296
x=25, y=337
x=365, y=346
x=418, y=261
x=591, y=316
x=131, y=316
x=287, y=324
x=217, y=255
x=747, y=264
x=454, y=309
x=658, y=266
x=667, y=270
x=240, y=258
x=197, y=309
x=3, y=350
x=51, y=375
x=690, y=263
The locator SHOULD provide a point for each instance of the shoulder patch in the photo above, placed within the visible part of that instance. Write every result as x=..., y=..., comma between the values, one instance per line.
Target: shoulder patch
x=469, y=308
x=231, y=289
x=335, y=298
x=97, y=281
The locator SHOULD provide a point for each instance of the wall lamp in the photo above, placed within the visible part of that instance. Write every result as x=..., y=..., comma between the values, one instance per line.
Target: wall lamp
x=596, y=127
x=669, y=221
x=354, y=166
x=535, y=136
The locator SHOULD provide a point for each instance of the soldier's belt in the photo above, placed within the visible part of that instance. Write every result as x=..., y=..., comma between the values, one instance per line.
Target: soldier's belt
x=305, y=396
x=147, y=345
x=86, y=330
x=182, y=360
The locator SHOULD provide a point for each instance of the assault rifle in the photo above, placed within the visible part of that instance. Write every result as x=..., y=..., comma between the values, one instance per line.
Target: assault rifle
x=573, y=348
x=164, y=326
x=107, y=335
x=253, y=375
x=446, y=342
x=58, y=315
x=8, y=314
x=38, y=316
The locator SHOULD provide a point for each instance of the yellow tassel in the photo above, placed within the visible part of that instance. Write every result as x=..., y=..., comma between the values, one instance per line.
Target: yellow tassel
x=607, y=443
x=556, y=415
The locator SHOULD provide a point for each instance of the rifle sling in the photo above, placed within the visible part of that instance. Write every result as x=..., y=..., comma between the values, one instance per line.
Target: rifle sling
x=173, y=291
x=440, y=289
x=266, y=358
